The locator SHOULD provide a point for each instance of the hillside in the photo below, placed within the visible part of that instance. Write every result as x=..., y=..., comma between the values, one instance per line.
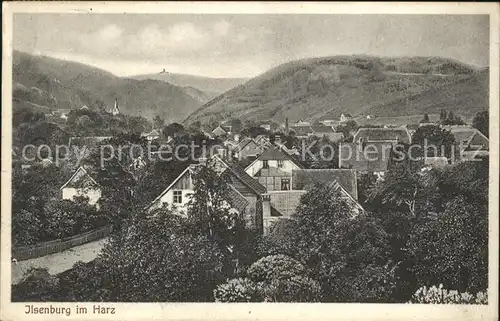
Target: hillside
x=211, y=86
x=63, y=84
x=324, y=88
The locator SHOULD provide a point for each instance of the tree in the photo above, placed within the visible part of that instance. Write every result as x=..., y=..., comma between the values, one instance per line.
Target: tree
x=451, y=119
x=37, y=286
x=425, y=119
x=209, y=209
x=482, y=122
x=348, y=255
x=161, y=260
x=173, y=129
x=275, y=278
x=439, y=142
x=442, y=115
x=347, y=127
x=452, y=248
x=158, y=122
x=236, y=125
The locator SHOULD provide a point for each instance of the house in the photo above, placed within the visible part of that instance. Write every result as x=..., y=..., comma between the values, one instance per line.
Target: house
x=84, y=107
x=470, y=141
x=302, y=131
x=266, y=126
x=374, y=157
x=273, y=169
x=81, y=184
x=248, y=147
x=382, y=135
x=246, y=196
x=221, y=131
x=345, y=118
x=263, y=140
x=328, y=132
x=284, y=203
x=301, y=123
x=412, y=128
x=153, y=135
x=329, y=122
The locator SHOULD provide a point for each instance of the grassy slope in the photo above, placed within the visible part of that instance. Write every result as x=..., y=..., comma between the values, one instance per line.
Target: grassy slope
x=69, y=85
x=323, y=88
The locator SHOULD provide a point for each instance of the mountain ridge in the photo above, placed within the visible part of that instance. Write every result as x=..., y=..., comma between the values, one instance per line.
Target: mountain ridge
x=325, y=87
x=62, y=84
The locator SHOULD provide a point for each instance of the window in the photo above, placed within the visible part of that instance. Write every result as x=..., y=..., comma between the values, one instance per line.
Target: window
x=177, y=197
x=285, y=184
x=280, y=163
x=265, y=164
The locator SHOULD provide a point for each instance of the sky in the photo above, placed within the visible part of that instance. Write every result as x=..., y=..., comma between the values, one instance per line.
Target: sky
x=243, y=45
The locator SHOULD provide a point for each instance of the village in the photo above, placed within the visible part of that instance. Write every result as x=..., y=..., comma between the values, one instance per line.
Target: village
x=266, y=172
x=175, y=158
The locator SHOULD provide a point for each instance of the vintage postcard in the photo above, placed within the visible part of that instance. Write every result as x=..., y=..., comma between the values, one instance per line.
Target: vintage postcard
x=249, y=160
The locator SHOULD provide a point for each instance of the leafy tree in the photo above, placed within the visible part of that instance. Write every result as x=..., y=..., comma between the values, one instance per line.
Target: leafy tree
x=348, y=255
x=451, y=119
x=158, y=122
x=173, y=129
x=347, y=127
x=37, y=286
x=236, y=125
x=161, y=260
x=452, y=248
x=209, y=209
x=401, y=188
x=436, y=139
x=442, y=115
x=482, y=122
x=275, y=278
x=366, y=183
x=425, y=119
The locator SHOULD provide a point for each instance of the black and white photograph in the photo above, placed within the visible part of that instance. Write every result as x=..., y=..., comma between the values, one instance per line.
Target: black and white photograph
x=245, y=157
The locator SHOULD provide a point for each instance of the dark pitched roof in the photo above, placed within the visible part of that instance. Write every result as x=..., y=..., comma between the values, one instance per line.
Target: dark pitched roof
x=322, y=129
x=367, y=157
x=240, y=173
x=237, y=201
x=80, y=179
x=277, y=153
x=383, y=135
x=302, y=130
x=302, y=179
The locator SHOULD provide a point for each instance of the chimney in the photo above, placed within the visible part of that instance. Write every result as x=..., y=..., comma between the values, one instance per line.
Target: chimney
x=266, y=211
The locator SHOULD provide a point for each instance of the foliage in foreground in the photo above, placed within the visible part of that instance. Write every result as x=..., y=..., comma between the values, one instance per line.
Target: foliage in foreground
x=440, y=295
x=275, y=278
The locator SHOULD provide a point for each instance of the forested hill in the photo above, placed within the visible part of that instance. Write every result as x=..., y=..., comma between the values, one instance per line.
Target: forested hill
x=323, y=88
x=61, y=84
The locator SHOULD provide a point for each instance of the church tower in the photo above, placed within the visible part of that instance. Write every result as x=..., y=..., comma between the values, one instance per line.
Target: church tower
x=115, y=111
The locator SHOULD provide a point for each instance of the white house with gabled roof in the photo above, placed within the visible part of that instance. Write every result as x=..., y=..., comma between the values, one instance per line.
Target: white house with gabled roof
x=81, y=184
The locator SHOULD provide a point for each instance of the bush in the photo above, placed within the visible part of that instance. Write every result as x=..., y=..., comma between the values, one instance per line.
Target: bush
x=439, y=295
x=238, y=290
x=295, y=289
x=37, y=286
x=275, y=278
x=275, y=267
